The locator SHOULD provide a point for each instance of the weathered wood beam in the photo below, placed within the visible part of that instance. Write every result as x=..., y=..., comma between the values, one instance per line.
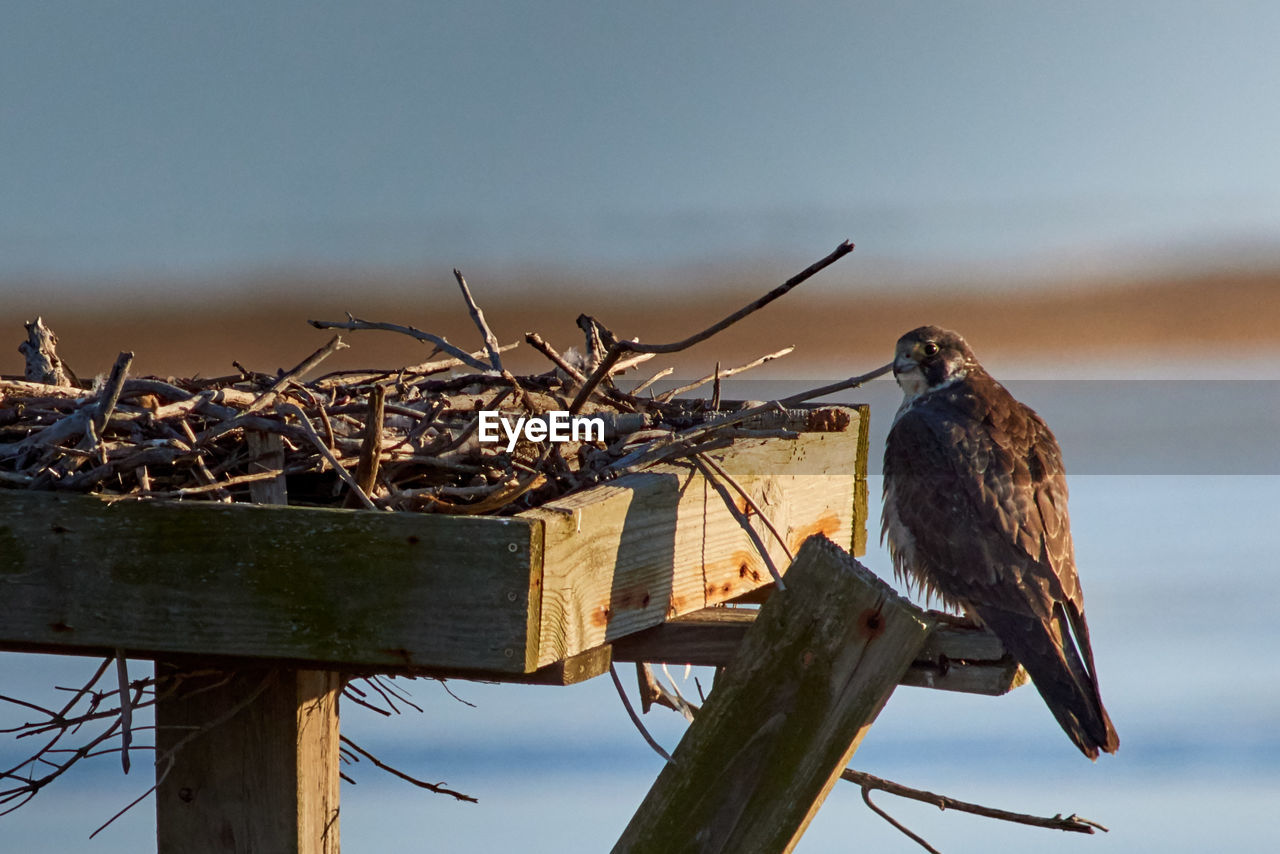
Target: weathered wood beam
x=970, y=660
x=247, y=761
x=247, y=758
x=341, y=589
x=337, y=588
x=811, y=675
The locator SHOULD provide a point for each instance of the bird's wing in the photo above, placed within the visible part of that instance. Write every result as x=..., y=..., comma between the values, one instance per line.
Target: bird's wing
x=985, y=501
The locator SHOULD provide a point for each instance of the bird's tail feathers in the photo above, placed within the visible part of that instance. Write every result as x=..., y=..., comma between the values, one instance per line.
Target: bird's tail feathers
x=1069, y=688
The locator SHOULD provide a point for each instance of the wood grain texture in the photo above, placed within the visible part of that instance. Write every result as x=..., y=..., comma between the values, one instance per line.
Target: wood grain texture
x=256, y=763
x=343, y=587
x=780, y=725
x=967, y=660
x=364, y=590
x=630, y=554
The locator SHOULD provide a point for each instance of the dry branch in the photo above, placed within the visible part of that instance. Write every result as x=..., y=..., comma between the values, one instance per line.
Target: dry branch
x=205, y=439
x=868, y=782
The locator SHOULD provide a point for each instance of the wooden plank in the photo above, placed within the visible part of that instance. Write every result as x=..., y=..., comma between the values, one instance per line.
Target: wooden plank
x=647, y=547
x=248, y=761
x=783, y=721
x=954, y=658
x=244, y=766
x=345, y=588
x=484, y=595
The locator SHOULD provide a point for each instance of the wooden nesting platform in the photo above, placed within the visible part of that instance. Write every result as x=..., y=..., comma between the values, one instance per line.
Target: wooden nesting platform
x=543, y=592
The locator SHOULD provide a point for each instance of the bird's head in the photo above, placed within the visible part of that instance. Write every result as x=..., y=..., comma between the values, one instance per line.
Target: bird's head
x=931, y=357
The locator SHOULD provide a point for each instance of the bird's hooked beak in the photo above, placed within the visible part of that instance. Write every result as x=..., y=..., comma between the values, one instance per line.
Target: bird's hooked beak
x=907, y=360
x=906, y=370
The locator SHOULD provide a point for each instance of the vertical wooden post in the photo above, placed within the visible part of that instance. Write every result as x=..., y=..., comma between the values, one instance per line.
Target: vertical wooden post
x=248, y=762
x=784, y=719
x=248, y=759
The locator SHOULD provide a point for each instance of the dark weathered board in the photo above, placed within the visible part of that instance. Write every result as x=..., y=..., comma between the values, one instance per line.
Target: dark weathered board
x=970, y=660
x=301, y=584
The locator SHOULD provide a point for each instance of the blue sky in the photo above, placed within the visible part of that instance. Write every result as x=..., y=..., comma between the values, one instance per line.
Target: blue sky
x=202, y=139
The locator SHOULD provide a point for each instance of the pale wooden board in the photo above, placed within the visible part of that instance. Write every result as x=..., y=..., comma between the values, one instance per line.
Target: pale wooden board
x=630, y=554
x=342, y=587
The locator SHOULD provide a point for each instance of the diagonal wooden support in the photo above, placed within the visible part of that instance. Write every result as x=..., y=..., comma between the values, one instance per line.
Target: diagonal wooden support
x=783, y=721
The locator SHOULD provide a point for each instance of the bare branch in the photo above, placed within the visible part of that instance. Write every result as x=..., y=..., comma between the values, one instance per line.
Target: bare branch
x=1072, y=823
x=635, y=719
x=300, y=370
x=438, y=788
x=914, y=837
x=842, y=385
x=477, y=317
x=126, y=709
x=720, y=374
x=356, y=323
x=617, y=348
x=305, y=423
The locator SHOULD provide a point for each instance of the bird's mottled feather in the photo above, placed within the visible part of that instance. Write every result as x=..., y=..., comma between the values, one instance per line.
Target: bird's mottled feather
x=975, y=513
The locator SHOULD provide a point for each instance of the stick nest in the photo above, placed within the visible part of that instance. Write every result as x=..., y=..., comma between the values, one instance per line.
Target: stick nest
x=389, y=440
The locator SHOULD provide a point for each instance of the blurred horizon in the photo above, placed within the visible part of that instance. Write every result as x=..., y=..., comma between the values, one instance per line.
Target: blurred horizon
x=183, y=151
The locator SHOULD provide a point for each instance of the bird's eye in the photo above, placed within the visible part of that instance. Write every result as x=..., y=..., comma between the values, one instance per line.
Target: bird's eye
x=930, y=348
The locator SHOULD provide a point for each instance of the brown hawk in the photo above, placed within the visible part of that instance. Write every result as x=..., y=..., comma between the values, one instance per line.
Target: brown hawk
x=975, y=510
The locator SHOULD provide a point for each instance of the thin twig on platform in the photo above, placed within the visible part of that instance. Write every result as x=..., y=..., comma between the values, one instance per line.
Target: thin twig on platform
x=477, y=317
x=619, y=347
x=353, y=322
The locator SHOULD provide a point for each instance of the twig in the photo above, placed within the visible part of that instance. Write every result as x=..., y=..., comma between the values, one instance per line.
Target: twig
x=110, y=394
x=651, y=380
x=618, y=399
x=356, y=323
x=635, y=719
x=438, y=788
x=685, y=439
x=126, y=709
x=445, y=364
x=536, y=341
x=718, y=374
x=1072, y=823
x=852, y=382
x=305, y=424
x=700, y=460
x=628, y=364
x=617, y=348
x=914, y=837
x=371, y=445
x=751, y=502
x=477, y=316
x=653, y=692
x=168, y=757
x=297, y=372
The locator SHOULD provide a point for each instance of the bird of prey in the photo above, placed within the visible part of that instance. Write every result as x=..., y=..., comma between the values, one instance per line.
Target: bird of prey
x=975, y=511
